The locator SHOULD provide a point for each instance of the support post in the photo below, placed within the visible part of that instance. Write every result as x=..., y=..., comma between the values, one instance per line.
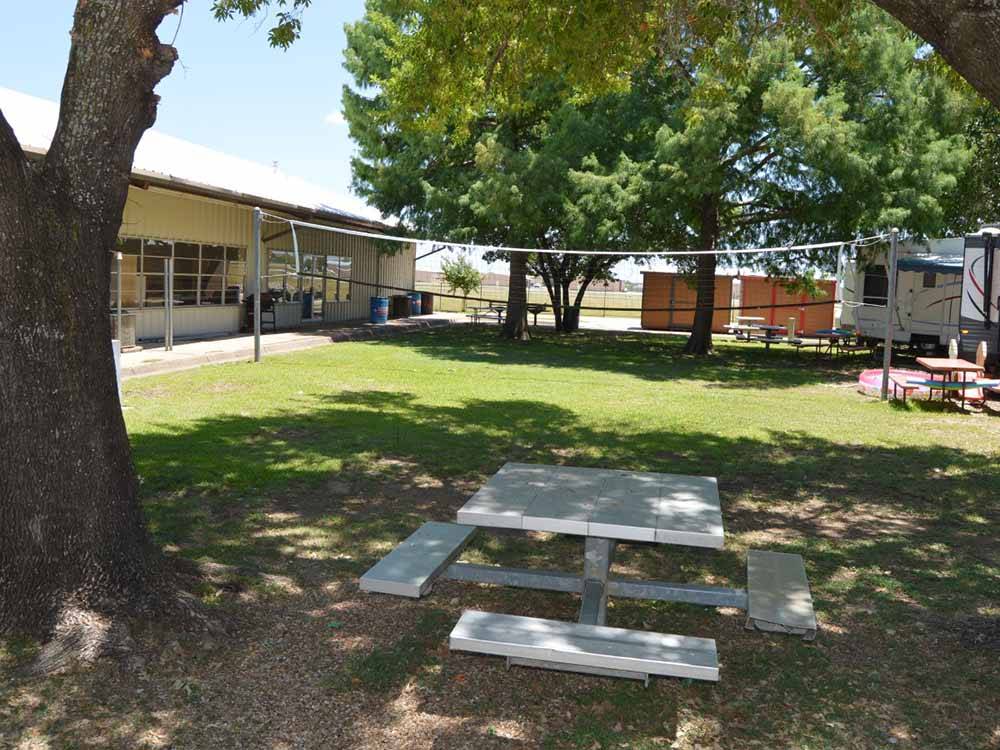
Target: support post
x=597, y=555
x=890, y=318
x=118, y=295
x=257, y=354
x=168, y=306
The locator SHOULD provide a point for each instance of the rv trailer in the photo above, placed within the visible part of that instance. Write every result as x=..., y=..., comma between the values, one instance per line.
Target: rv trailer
x=980, y=310
x=928, y=294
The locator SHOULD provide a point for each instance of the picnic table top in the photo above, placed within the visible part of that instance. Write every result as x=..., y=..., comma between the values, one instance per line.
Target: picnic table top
x=947, y=364
x=625, y=505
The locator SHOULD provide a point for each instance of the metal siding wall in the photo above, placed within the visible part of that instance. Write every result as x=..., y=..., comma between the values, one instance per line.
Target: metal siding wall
x=173, y=216
x=165, y=215
x=188, y=321
x=397, y=270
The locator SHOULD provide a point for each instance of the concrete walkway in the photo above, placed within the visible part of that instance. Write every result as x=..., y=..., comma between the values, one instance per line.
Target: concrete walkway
x=187, y=356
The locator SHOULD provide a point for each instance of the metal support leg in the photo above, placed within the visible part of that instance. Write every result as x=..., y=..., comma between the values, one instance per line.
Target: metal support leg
x=597, y=556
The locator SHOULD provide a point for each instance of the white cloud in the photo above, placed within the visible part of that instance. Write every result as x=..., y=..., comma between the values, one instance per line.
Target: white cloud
x=334, y=118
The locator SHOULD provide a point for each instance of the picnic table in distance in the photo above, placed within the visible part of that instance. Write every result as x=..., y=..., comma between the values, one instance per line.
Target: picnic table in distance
x=954, y=377
x=535, y=308
x=492, y=311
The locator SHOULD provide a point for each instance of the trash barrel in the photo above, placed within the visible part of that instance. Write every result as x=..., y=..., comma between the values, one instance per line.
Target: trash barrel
x=426, y=303
x=414, y=303
x=571, y=318
x=380, y=309
x=307, y=305
x=400, y=306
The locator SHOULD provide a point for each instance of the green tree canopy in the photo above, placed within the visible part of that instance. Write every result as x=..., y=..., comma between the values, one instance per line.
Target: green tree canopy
x=751, y=136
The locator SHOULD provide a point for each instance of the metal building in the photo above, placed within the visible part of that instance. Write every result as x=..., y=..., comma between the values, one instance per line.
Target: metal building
x=194, y=205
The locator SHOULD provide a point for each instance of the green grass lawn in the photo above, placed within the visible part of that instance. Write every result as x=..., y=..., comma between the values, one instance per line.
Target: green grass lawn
x=296, y=475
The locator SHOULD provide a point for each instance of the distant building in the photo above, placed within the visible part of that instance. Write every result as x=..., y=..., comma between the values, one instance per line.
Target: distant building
x=502, y=279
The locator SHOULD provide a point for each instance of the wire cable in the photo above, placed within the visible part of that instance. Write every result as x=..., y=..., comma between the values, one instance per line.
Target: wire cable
x=612, y=253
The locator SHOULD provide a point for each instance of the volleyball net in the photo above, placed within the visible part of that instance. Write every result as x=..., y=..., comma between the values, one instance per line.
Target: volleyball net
x=291, y=247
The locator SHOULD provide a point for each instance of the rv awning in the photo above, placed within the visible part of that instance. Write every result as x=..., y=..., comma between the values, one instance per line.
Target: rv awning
x=931, y=263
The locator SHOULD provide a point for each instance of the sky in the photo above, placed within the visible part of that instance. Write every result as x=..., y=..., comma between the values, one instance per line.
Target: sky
x=229, y=91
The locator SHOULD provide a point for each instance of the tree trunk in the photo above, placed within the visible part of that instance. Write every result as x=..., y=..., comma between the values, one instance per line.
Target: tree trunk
x=516, y=325
x=700, y=341
x=74, y=550
x=966, y=33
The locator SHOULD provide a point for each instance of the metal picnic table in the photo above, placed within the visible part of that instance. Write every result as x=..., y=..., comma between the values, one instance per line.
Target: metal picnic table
x=605, y=507
x=535, y=308
x=488, y=311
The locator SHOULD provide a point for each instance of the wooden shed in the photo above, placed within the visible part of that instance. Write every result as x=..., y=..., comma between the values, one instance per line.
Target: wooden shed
x=662, y=290
x=809, y=318
x=673, y=290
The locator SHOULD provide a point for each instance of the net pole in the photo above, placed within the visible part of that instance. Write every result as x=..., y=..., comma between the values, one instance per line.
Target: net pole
x=890, y=312
x=168, y=309
x=118, y=294
x=257, y=353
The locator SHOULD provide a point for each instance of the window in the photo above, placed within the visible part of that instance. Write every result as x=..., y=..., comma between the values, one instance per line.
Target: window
x=338, y=271
x=154, y=263
x=281, y=276
x=212, y=274
x=930, y=280
x=236, y=274
x=876, y=286
x=203, y=274
x=131, y=251
x=186, y=273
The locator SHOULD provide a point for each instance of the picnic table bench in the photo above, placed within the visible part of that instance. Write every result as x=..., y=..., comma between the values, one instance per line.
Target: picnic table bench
x=490, y=312
x=901, y=383
x=604, y=507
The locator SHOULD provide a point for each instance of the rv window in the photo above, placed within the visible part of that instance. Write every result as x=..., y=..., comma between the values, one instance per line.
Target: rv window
x=930, y=280
x=876, y=286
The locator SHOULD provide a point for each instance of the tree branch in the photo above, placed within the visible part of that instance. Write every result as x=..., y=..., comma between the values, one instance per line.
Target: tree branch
x=960, y=30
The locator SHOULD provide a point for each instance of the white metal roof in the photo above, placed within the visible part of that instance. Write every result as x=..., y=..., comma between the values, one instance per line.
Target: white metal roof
x=183, y=162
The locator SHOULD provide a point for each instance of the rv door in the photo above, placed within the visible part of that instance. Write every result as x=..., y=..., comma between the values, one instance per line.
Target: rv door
x=980, y=311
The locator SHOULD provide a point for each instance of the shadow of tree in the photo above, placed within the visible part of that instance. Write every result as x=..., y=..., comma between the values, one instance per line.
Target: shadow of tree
x=654, y=358
x=896, y=537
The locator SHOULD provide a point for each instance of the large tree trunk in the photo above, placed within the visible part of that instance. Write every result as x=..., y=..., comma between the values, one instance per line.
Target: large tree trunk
x=516, y=325
x=700, y=341
x=74, y=550
x=966, y=33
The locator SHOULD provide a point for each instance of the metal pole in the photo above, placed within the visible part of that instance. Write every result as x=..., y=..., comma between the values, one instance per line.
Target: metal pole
x=257, y=353
x=168, y=309
x=890, y=313
x=118, y=292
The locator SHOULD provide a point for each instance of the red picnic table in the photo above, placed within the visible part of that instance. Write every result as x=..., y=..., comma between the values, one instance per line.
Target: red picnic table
x=950, y=369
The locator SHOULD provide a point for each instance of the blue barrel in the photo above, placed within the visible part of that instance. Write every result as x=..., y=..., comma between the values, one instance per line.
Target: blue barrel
x=380, y=309
x=414, y=303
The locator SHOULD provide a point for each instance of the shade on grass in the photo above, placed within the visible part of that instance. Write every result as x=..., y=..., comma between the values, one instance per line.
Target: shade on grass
x=309, y=467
